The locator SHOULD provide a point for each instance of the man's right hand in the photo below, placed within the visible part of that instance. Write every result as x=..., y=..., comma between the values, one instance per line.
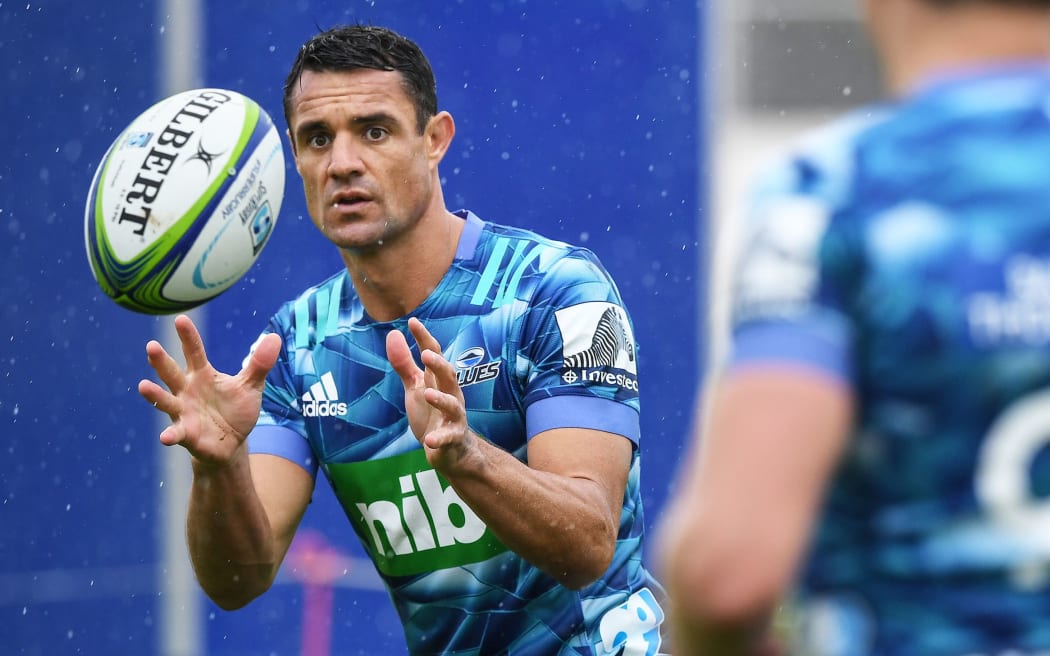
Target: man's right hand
x=211, y=412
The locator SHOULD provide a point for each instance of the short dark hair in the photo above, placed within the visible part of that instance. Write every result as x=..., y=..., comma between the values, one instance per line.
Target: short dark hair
x=353, y=47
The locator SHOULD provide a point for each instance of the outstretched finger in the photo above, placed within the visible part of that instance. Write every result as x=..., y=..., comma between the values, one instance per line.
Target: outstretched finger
x=450, y=431
x=168, y=370
x=192, y=343
x=172, y=435
x=442, y=372
x=449, y=405
x=423, y=336
x=160, y=398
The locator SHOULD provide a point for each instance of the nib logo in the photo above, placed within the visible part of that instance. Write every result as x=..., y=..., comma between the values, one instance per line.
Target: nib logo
x=323, y=399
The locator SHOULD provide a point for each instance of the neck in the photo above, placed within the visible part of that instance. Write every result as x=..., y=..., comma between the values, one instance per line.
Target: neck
x=395, y=279
x=921, y=41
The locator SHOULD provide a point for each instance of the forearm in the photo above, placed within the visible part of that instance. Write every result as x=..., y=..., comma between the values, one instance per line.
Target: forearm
x=230, y=540
x=721, y=606
x=693, y=637
x=558, y=523
x=740, y=523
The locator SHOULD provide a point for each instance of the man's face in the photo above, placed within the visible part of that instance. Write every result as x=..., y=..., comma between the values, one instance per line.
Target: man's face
x=366, y=171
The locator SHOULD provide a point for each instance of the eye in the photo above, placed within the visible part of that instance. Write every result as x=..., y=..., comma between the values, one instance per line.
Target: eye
x=375, y=133
x=319, y=140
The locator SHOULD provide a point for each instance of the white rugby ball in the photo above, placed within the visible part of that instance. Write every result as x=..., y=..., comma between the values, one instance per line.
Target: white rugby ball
x=184, y=201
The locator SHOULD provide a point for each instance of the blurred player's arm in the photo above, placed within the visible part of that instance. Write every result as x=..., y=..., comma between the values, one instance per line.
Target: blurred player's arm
x=748, y=498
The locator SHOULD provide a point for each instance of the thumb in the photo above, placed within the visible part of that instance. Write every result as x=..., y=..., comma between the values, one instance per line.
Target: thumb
x=261, y=359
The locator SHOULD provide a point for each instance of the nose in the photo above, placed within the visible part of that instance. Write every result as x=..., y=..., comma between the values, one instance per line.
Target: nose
x=345, y=158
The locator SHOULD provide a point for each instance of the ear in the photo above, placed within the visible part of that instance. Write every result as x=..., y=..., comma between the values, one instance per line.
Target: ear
x=438, y=135
x=295, y=153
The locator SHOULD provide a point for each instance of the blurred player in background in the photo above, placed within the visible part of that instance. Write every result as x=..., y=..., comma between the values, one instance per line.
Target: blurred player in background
x=879, y=433
x=469, y=390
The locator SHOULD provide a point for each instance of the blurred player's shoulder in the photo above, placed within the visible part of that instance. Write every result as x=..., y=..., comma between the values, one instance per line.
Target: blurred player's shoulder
x=821, y=162
x=995, y=89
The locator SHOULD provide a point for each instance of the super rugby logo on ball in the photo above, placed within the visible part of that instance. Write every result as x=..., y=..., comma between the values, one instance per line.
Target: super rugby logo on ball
x=184, y=201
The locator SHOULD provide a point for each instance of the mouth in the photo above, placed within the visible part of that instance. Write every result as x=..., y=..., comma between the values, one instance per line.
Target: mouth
x=350, y=199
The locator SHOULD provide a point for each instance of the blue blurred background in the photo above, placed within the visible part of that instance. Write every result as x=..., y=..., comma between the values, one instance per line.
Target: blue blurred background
x=579, y=120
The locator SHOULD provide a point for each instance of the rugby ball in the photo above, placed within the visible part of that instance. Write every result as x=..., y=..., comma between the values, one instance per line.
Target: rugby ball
x=184, y=200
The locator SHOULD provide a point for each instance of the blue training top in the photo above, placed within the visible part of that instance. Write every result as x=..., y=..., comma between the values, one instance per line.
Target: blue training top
x=905, y=250
x=540, y=340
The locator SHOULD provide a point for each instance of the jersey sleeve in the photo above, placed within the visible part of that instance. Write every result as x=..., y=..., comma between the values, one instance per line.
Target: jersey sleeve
x=579, y=359
x=792, y=285
x=281, y=429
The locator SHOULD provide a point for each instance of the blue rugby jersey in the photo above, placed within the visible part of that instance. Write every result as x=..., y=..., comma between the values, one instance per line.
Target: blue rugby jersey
x=906, y=250
x=540, y=340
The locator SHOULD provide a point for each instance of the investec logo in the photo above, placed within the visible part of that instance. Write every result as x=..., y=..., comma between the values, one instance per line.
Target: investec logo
x=409, y=519
x=322, y=399
x=597, y=345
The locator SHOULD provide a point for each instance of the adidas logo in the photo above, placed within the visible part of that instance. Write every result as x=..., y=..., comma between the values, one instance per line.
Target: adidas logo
x=322, y=400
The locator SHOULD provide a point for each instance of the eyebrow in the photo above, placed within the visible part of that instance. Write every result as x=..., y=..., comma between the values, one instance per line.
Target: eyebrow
x=306, y=128
x=377, y=117
x=383, y=118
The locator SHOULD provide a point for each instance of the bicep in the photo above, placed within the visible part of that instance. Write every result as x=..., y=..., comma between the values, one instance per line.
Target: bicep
x=284, y=489
x=600, y=458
